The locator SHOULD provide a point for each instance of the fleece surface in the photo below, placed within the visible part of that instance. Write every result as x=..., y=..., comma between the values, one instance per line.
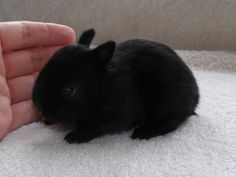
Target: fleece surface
x=205, y=146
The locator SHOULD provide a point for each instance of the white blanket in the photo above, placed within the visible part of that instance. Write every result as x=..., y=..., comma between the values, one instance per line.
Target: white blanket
x=205, y=146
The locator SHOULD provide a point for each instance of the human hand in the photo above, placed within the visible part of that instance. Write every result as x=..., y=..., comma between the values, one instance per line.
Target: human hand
x=24, y=48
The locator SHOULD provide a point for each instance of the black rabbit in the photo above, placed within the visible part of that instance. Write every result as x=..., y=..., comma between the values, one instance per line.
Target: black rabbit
x=137, y=84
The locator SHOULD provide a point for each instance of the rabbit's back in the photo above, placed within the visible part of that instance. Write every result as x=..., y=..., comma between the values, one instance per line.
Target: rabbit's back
x=148, y=80
x=157, y=70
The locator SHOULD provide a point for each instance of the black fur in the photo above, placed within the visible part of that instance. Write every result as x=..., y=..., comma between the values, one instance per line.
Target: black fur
x=87, y=37
x=137, y=84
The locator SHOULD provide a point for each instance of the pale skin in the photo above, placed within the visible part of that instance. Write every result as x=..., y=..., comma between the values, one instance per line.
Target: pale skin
x=24, y=49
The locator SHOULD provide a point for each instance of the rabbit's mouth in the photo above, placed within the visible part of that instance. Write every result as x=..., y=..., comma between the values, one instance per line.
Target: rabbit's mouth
x=50, y=121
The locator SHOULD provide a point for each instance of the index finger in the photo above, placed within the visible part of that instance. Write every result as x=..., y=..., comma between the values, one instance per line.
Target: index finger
x=23, y=34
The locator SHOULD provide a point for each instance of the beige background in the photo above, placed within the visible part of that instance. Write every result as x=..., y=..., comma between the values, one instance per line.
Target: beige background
x=182, y=24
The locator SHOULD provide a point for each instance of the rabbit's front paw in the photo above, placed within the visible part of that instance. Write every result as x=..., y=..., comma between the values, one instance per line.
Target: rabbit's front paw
x=82, y=135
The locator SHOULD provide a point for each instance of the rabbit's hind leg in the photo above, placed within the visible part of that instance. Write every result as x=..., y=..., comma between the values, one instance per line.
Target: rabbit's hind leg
x=161, y=127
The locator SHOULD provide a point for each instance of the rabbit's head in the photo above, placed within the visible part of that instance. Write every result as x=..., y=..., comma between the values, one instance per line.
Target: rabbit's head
x=68, y=87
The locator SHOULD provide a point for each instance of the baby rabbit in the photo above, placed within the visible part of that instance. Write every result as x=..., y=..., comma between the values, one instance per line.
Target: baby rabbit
x=137, y=84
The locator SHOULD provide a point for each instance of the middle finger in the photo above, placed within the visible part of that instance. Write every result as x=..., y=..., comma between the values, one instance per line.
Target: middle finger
x=24, y=62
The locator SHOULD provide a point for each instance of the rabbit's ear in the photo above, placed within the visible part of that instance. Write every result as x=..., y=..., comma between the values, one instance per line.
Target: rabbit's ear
x=105, y=51
x=87, y=37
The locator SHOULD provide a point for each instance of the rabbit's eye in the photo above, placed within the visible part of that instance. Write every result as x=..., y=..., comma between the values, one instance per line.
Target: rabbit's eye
x=68, y=92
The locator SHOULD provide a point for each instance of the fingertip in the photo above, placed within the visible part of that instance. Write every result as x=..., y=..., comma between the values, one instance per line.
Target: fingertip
x=26, y=34
x=62, y=33
x=70, y=36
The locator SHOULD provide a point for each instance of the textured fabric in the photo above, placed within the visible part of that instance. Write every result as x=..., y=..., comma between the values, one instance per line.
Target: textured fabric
x=183, y=24
x=205, y=146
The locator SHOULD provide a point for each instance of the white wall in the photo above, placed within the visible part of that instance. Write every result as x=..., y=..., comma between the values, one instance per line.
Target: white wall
x=183, y=24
